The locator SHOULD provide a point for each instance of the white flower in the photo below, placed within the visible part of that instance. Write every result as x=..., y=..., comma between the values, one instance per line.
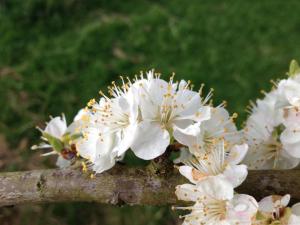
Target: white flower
x=263, y=134
x=215, y=203
x=220, y=126
x=164, y=106
x=97, y=142
x=110, y=128
x=217, y=162
x=98, y=149
x=273, y=210
x=273, y=204
x=61, y=139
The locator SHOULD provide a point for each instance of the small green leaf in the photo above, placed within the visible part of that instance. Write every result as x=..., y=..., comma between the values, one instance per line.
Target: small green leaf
x=56, y=143
x=68, y=137
x=294, y=68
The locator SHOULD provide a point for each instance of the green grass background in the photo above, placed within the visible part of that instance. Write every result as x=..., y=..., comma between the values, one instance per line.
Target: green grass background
x=55, y=55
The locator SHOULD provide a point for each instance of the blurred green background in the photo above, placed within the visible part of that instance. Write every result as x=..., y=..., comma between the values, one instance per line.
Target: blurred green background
x=55, y=55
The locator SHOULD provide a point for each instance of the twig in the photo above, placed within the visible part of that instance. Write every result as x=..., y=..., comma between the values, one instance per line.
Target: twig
x=123, y=185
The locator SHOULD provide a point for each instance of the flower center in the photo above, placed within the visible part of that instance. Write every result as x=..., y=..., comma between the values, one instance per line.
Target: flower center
x=214, y=210
x=113, y=117
x=212, y=162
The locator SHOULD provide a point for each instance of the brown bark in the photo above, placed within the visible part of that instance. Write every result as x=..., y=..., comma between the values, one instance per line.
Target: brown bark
x=123, y=185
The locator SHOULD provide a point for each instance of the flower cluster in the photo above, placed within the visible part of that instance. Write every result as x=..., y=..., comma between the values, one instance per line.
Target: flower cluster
x=148, y=114
x=145, y=115
x=272, y=131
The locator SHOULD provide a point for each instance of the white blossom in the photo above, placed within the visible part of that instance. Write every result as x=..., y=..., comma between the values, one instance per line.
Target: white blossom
x=274, y=209
x=216, y=161
x=220, y=126
x=61, y=139
x=263, y=133
x=164, y=106
x=215, y=203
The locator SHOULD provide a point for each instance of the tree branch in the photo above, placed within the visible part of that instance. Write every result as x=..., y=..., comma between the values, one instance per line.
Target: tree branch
x=123, y=185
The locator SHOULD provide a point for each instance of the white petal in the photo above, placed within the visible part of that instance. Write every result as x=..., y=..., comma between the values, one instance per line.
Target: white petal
x=296, y=209
x=157, y=88
x=202, y=114
x=123, y=103
x=103, y=163
x=192, y=130
x=87, y=147
x=267, y=204
x=291, y=90
x=294, y=220
x=236, y=174
x=260, y=160
x=290, y=136
x=187, y=192
x=151, y=140
x=187, y=172
x=217, y=187
x=186, y=136
x=291, y=117
x=237, y=154
x=285, y=200
x=286, y=161
x=79, y=115
x=242, y=208
x=189, y=101
x=93, y=146
x=56, y=127
x=291, y=142
x=128, y=138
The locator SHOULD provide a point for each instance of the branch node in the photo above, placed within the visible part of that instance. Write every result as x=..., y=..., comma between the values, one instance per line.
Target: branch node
x=41, y=183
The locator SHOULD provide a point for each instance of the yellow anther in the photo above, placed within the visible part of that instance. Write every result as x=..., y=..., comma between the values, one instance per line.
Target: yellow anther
x=91, y=102
x=84, y=167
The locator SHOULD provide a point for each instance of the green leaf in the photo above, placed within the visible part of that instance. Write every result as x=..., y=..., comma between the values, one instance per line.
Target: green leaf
x=70, y=137
x=294, y=68
x=56, y=143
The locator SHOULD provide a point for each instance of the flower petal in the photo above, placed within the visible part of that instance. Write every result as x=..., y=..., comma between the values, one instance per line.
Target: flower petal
x=187, y=192
x=237, y=154
x=103, y=163
x=242, y=208
x=191, y=174
x=56, y=127
x=296, y=209
x=217, y=187
x=86, y=146
x=127, y=139
x=294, y=220
x=236, y=174
x=151, y=140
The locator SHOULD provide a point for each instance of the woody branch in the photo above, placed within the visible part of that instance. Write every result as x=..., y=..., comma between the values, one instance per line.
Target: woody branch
x=123, y=185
